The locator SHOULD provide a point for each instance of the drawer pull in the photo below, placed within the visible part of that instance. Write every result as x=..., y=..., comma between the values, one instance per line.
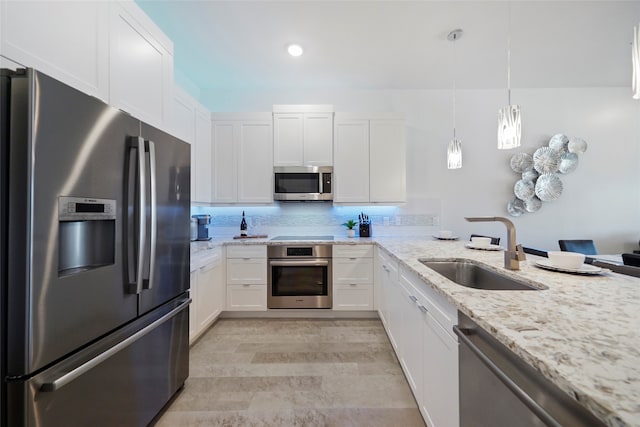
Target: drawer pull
x=412, y=298
x=423, y=309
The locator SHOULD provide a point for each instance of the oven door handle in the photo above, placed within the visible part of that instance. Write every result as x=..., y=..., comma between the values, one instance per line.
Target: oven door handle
x=300, y=263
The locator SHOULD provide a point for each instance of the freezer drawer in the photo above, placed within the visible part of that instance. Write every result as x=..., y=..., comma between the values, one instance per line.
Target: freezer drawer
x=128, y=388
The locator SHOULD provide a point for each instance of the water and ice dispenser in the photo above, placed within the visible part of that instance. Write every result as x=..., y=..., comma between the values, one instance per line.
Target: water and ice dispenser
x=87, y=234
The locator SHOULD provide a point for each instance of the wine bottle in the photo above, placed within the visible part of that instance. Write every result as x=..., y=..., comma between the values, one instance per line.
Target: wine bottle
x=243, y=226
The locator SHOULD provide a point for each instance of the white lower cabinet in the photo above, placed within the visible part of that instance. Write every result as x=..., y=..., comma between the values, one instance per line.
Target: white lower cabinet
x=419, y=323
x=207, y=293
x=439, y=401
x=353, y=277
x=388, y=310
x=247, y=278
x=247, y=297
x=411, y=354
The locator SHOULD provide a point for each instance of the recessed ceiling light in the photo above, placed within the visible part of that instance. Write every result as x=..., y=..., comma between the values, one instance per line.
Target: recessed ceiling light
x=295, y=50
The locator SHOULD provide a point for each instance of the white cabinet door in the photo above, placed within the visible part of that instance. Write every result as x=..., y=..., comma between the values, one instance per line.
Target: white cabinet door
x=66, y=40
x=354, y=296
x=242, y=151
x=224, y=174
x=194, y=322
x=246, y=297
x=352, y=271
x=387, y=157
x=255, y=170
x=182, y=123
x=210, y=280
x=351, y=161
x=318, y=139
x=389, y=307
x=439, y=402
x=411, y=355
x=201, y=162
x=140, y=65
x=288, y=136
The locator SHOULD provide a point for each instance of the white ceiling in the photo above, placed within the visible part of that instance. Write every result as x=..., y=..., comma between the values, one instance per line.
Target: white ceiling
x=399, y=44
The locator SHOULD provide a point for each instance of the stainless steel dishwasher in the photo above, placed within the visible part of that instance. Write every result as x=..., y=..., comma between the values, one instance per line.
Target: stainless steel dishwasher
x=498, y=389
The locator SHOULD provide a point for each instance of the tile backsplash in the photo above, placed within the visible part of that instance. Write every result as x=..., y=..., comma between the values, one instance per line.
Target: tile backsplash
x=315, y=218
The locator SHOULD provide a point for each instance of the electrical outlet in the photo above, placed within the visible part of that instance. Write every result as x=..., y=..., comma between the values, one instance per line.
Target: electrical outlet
x=386, y=220
x=398, y=220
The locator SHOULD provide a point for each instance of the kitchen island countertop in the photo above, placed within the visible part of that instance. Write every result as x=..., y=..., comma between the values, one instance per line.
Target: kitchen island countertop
x=581, y=333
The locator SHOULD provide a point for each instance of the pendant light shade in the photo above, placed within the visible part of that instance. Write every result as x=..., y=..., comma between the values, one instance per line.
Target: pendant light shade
x=509, y=127
x=454, y=150
x=454, y=154
x=509, y=120
x=635, y=57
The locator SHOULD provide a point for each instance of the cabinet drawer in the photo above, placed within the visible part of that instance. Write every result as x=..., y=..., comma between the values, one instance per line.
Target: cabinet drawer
x=353, y=251
x=352, y=271
x=248, y=251
x=247, y=271
x=353, y=297
x=246, y=297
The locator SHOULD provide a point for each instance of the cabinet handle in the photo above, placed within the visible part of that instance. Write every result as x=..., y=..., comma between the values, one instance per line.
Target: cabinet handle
x=385, y=268
x=412, y=298
x=353, y=259
x=353, y=284
x=246, y=259
x=423, y=309
x=246, y=285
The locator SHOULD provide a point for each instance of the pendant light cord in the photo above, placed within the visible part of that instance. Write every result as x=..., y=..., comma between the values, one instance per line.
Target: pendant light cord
x=454, y=86
x=509, y=52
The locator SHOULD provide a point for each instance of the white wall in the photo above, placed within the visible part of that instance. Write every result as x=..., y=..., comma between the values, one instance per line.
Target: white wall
x=601, y=199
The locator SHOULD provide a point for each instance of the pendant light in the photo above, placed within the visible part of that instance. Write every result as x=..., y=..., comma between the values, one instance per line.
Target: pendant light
x=635, y=58
x=509, y=121
x=454, y=150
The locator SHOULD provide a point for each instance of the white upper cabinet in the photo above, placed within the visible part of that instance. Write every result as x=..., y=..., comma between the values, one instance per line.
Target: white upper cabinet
x=387, y=161
x=242, y=158
x=201, y=152
x=140, y=66
x=191, y=122
x=66, y=40
x=303, y=135
x=288, y=134
x=255, y=157
x=370, y=158
x=351, y=169
x=182, y=122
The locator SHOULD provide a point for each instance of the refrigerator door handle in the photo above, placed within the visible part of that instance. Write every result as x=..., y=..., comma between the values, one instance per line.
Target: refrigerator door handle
x=65, y=379
x=148, y=281
x=136, y=150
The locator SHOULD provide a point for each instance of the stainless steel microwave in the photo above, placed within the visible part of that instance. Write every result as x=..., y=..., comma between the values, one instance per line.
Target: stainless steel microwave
x=303, y=183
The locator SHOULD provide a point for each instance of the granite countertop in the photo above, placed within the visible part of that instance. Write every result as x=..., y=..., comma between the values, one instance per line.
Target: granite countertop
x=581, y=333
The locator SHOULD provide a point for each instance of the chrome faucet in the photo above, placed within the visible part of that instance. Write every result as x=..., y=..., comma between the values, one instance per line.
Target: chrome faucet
x=514, y=253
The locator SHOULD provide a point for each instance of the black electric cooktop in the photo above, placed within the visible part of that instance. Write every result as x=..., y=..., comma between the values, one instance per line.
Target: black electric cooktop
x=302, y=238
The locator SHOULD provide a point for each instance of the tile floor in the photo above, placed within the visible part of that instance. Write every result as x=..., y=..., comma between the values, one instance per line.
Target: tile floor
x=294, y=372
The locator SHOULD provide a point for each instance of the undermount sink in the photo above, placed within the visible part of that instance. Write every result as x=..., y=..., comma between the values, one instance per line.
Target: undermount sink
x=472, y=275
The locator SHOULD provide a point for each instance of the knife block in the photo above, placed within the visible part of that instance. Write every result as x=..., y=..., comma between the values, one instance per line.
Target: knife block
x=365, y=230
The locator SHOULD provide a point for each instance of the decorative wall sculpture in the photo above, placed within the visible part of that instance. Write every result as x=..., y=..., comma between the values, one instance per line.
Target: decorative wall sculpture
x=540, y=173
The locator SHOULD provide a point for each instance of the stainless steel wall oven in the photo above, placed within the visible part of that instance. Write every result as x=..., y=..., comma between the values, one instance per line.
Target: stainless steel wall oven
x=299, y=276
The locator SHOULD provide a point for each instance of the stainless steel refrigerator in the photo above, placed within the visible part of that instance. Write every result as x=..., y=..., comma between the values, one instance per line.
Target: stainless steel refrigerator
x=95, y=259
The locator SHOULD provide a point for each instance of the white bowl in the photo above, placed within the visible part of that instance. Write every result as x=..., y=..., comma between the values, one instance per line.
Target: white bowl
x=481, y=241
x=445, y=234
x=569, y=260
